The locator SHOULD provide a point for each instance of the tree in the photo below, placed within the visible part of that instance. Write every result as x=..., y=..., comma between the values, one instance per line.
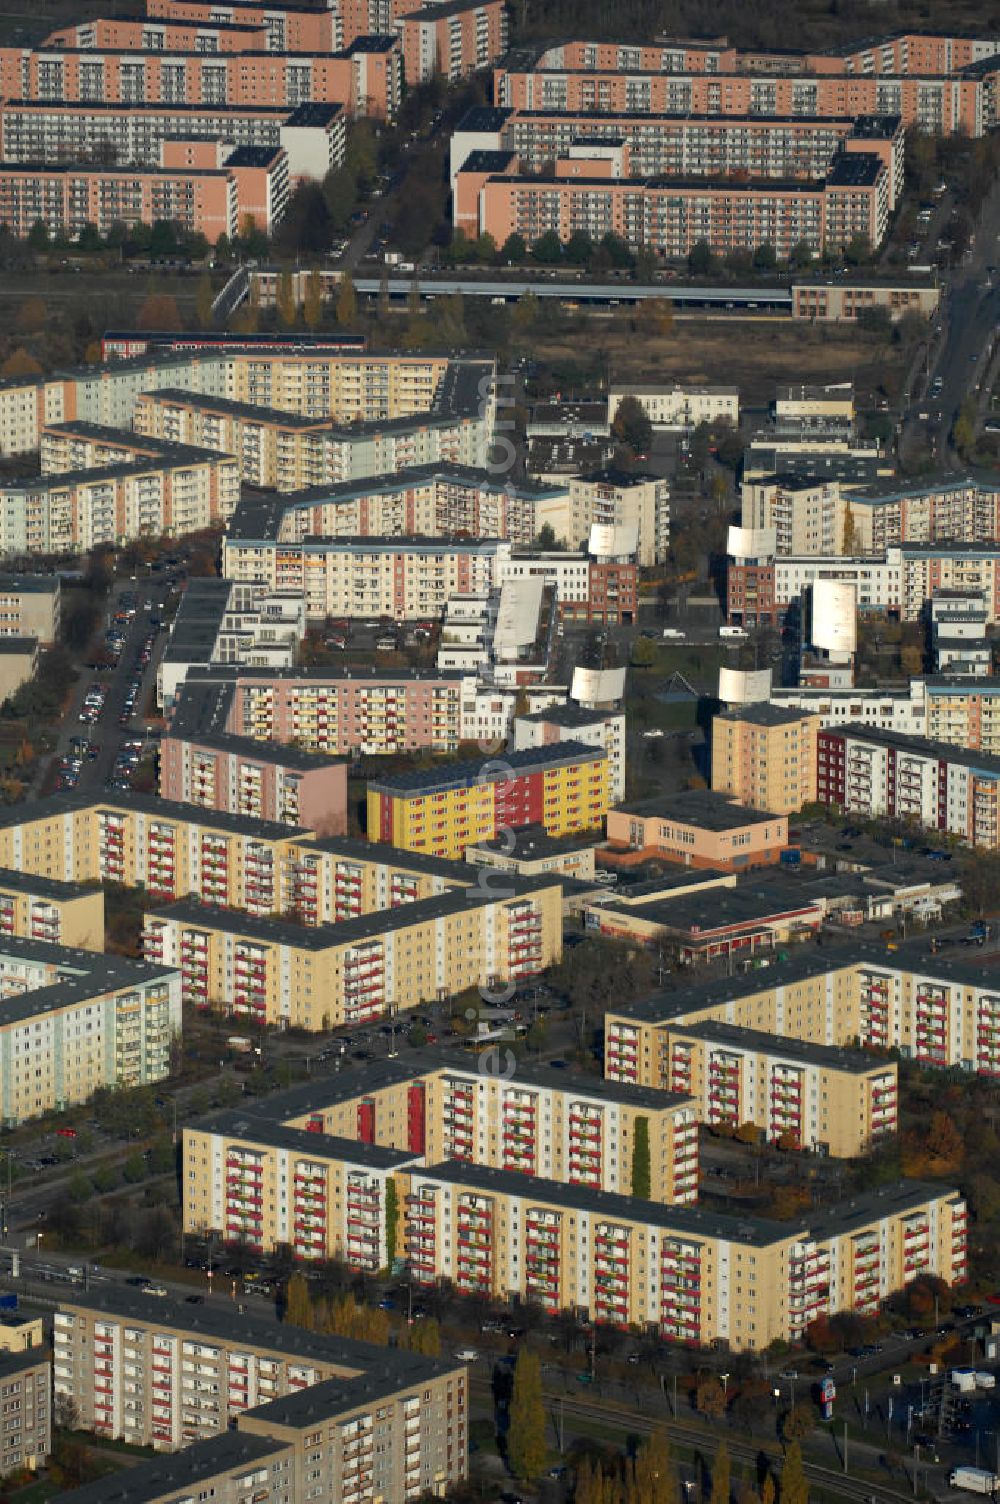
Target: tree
x=134, y=1169
x=800, y=257
x=631, y=425
x=285, y=300
x=794, y=1488
x=710, y=1398
x=89, y=238
x=641, y=1172
x=79, y=1189
x=849, y=541
x=579, y=248
x=391, y=1220
x=857, y=250
x=765, y=258
x=347, y=302
x=298, y=1304
x=643, y=653
x=203, y=301
x=526, y=1449
x=655, y=1475
x=163, y=238
x=312, y=303
x=799, y=1422
x=701, y=262
x=513, y=250
x=20, y=363
x=767, y=1490
x=720, y=1475
x=547, y=249
x=38, y=236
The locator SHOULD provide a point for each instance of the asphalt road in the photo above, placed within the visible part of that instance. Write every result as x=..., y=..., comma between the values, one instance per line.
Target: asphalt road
x=107, y=732
x=971, y=315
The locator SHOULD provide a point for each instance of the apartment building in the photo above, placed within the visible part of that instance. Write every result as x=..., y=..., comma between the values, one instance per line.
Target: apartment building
x=240, y=776
x=554, y=724
x=389, y=1421
x=672, y=215
x=600, y=591
x=436, y=500
x=585, y=1135
x=74, y=1021
x=682, y=145
x=615, y=499
x=364, y=77
x=694, y=1276
x=42, y=908
x=30, y=606
x=288, y=28
x=703, y=829
x=764, y=756
x=812, y=516
x=141, y=841
x=287, y=452
x=19, y=1332
x=939, y=104
x=806, y=516
x=935, y=1011
x=287, y=374
x=360, y=968
x=227, y=622
x=839, y=1102
x=313, y=135
x=176, y=493
x=26, y=1406
x=935, y=786
x=207, y=187
x=330, y=711
x=400, y=578
x=563, y=786
x=452, y=39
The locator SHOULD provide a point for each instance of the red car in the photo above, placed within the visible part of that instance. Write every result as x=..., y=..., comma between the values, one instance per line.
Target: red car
x=66, y=1132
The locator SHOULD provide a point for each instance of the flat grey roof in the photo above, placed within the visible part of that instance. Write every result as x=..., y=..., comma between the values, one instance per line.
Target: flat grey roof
x=253, y=1128
x=828, y=1057
x=690, y=1221
x=703, y=807
x=179, y=1472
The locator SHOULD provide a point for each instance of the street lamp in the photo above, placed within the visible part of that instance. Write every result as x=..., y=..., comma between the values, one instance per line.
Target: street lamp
x=725, y=1383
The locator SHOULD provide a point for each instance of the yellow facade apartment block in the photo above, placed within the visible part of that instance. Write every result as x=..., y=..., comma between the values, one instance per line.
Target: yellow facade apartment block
x=765, y=757
x=564, y=787
x=362, y=968
x=40, y=908
x=685, y=1273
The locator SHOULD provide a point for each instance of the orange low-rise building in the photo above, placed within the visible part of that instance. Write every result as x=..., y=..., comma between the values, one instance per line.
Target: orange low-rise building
x=700, y=829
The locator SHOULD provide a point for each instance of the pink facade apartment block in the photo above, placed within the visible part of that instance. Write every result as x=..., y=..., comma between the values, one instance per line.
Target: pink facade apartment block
x=238, y=776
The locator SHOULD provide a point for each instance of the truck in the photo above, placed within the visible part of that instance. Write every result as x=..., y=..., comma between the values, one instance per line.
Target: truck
x=672, y=634
x=963, y=1379
x=239, y=1044
x=976, y=1480
x=735, y=633
x=979, y=931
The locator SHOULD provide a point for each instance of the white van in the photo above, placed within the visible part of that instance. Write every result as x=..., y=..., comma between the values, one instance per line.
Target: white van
x=671, y=634
x=733, y=633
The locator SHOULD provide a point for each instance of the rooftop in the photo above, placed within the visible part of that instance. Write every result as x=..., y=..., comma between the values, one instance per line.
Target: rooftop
x=781, y=1046
x=29, y=584
x=689, y=1221
x=918, y=746
x=459, y=775
x=702, y=807
x=178, y=1472
x=766, y=715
